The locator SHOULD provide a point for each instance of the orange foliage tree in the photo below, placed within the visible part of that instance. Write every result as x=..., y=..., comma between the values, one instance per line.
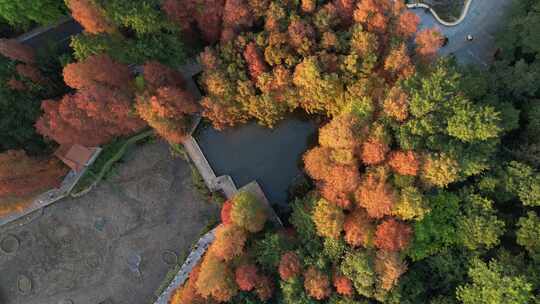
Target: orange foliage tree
x=343, y=285
x=408, y=23
x=392, y=235
x=375, y=195
x=216, y=279
x=396, y=105
x=404, y=162
x=229, y=242
x=255, y=61
x=317, y=284
x=358, y=228
x=188, y=293
x=157, y=75
x=289, y=266
x=428, y=42
x=90, y=16
x=389, y=267
x=22, y=175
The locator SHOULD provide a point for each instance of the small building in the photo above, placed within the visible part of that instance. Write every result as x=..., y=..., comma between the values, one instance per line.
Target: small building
x=75, y=156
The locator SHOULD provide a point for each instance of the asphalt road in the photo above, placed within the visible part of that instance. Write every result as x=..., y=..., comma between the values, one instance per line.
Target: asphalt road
x=484, y=19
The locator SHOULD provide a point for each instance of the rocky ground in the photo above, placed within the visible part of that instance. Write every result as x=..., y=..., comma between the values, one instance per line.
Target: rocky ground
x=113, y=245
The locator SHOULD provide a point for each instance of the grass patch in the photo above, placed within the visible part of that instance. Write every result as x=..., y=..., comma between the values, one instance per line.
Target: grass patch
x=111, y=153
x=447, y=10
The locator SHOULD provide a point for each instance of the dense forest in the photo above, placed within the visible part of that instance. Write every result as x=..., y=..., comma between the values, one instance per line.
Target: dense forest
x=425, y=176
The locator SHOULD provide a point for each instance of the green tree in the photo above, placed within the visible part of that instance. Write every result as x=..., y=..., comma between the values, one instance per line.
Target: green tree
x=478, y=226
x=528, y=234
x=438, y=229
x=491, y=284
x=23, y=14
x=358, y=267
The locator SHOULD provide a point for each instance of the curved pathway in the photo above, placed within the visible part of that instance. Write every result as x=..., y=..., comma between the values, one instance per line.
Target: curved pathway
x=482, y=20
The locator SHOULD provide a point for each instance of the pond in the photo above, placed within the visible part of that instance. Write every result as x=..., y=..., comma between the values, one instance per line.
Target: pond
x=272, y=157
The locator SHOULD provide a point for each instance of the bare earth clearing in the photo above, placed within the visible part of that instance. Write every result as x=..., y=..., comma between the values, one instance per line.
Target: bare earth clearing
x=80, y=250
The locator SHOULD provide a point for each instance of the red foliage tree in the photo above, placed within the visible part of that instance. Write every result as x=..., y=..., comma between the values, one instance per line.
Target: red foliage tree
x=339, y=185
x=407, y=24
x=373, y=14
x=90, y=117
x=264, y=288
x=157, y=75
x=374, y=152
x=392, y=235
x=375, y=195
x=404, y=162
x=247, y=276
x=90, y=16
x=209, y=19
x=343, y=285
x=15, y=84
x=229, y=242
x=255, y=61
x=358, y=228
x=289, y=266
x=428, y=42
x=30, y=72
x=345, y=9
x=317, y=284
x=97, y=70
x=226, y=212
x=237, y=15
x=301, y=35
x=179, y=12
x=168, y=112
x=14, y=50
x=22, y=175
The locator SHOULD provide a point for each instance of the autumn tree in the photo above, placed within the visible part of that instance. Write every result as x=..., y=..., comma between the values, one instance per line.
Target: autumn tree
x=188, y=293
x=376, y=195
x=411, y=204
x=229, y=242
x=389, y=267
x=22, y=175
x=226, y=212
x=216, y=279
x=328, y=219
x=404, y=162
x=392, y=235
x=289, y=266
x=317, y=284
x=89, y=117
x=14, y=50
x=168, y=112
x=255, y=61
x=246, y=276
x=248, y=212
x=343, y=285
x=91, y=16
x=407, y=23
x=264, y=288
x=157, y=75
x=98, y=70
x=428, y=42
x=359, y=229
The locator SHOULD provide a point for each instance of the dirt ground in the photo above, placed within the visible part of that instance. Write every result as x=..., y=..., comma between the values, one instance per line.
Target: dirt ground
x=85, y=250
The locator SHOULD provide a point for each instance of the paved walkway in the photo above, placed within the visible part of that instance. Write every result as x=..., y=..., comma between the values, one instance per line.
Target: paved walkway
x=484, y=19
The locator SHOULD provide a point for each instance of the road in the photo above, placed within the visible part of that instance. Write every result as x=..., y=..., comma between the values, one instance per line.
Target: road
x=484, y=19
x=59, y=34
